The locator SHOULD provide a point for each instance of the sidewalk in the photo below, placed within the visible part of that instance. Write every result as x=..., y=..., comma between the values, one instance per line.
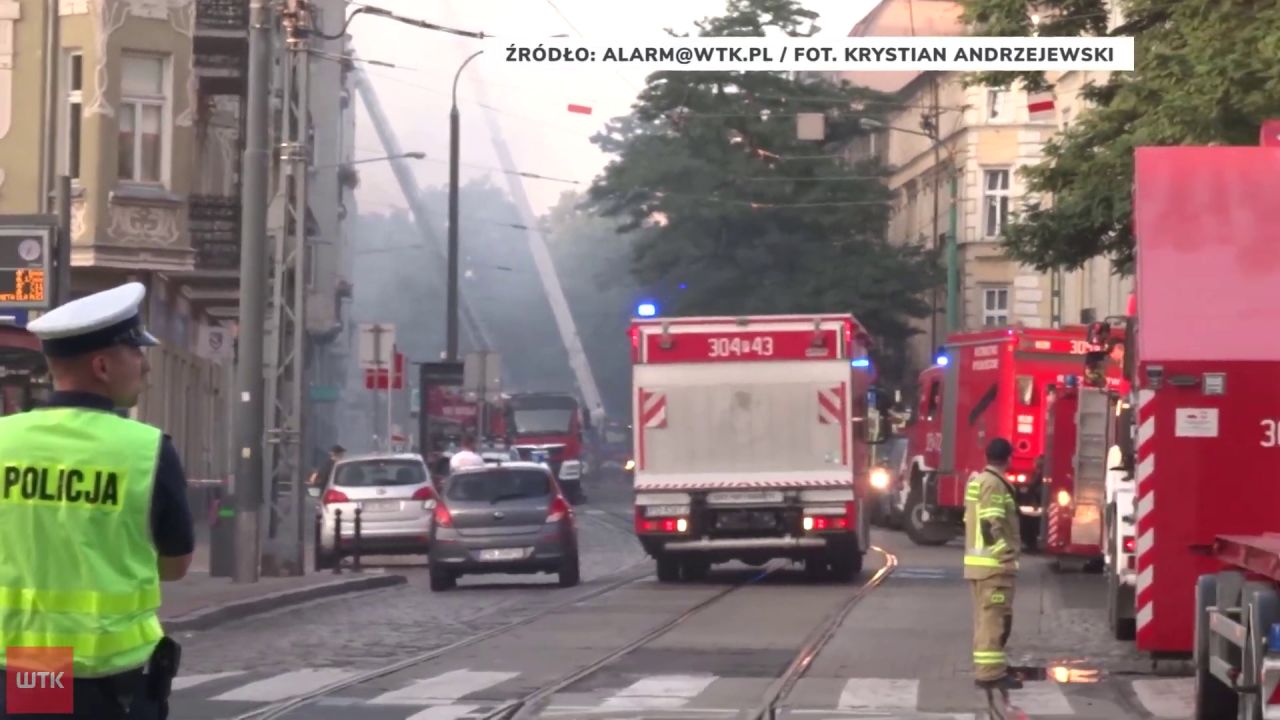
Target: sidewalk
x=200, y=602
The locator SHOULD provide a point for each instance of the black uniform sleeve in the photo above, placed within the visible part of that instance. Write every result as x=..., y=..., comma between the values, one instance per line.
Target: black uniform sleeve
x=171, y=523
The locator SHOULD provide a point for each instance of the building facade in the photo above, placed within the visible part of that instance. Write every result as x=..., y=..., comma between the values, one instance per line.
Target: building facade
x=986, y=136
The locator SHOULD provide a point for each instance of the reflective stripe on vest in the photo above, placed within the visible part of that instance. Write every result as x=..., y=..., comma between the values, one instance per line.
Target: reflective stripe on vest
x=976, y=553
x=77, y=561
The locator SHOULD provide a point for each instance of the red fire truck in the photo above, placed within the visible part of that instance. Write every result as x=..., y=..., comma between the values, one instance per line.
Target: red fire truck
x=1205, y=364
x=751, y=442
x=1079, y=430
x=985, y=384
x=554, y=427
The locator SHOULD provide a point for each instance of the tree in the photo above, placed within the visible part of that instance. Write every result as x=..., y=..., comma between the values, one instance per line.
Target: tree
x=593, y=265
x=742, y=216
x=1204, y=74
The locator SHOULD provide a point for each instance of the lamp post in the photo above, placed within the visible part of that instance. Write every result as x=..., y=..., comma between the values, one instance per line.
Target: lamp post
x=451, y=302
x=953, y=274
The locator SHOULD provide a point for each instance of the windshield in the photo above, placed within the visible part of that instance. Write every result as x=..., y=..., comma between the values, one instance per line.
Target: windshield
x=617, y=437
x=374, y=473
x=549, y=420
x=498, y=485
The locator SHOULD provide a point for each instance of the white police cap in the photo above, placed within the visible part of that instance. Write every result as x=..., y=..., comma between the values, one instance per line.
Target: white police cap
x=95, y=322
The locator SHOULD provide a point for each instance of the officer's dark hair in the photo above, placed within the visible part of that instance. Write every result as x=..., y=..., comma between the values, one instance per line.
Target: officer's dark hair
x=999, y=451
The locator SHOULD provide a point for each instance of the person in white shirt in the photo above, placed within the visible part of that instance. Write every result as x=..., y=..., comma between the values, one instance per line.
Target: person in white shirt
x=467, y=456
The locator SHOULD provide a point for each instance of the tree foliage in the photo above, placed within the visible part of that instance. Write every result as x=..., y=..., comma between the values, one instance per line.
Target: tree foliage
x=741, y=216
x=593, y=265
x=1205, y=73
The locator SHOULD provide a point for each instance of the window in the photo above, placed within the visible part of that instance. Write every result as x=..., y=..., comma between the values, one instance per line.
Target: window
x=995, y=103
x=380, y=473
x=73, y=114
x=995, y=307
x=995, y=196
x=496, y=485
x=143, y=105
x=934, y=400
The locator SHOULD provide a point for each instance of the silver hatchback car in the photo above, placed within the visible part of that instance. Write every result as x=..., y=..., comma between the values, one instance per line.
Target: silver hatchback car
x=396, y=500
x=503, y=518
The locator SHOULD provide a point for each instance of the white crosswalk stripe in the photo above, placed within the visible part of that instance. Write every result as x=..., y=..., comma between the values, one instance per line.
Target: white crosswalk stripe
x=444, y=688
x=285, y=686
x=466, y=692
x=660, y=691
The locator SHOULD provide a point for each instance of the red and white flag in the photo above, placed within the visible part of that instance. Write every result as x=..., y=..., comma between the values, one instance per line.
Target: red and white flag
x=1040, y=106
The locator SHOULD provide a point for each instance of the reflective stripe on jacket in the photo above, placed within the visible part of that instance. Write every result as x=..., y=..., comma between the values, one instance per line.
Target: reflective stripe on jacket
x=77, y=560
x=988, y=499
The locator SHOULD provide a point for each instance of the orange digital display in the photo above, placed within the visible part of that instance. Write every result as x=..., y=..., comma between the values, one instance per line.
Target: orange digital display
x=23, y=286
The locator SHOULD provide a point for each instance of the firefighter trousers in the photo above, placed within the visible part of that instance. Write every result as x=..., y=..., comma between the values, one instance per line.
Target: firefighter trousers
x=992, y=623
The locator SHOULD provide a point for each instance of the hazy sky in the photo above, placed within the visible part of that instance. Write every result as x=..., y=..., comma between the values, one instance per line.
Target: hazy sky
x=543, y=136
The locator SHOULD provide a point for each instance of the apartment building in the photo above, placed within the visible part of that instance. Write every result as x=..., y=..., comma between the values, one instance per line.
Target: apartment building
x=986, y=136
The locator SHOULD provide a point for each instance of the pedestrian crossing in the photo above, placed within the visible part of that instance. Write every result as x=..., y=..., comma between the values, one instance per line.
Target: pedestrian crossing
x=472, y=692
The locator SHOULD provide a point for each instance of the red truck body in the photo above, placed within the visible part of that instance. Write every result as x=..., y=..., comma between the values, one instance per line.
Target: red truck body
x=1207, y=370
x=553, y=424
x=987, y=384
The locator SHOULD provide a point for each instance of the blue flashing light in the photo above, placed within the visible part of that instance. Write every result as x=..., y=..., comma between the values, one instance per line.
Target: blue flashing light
x=941, y=361
x=861, y=363
x=684, y=286
x=1273, y=638
x=646, y=309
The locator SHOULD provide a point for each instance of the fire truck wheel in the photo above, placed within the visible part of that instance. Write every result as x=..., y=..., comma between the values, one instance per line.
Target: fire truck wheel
x=1213, y=699
x=920, y=531
x=695, y=569
x=668, y=569
x=845, y=566
x=1122, y=628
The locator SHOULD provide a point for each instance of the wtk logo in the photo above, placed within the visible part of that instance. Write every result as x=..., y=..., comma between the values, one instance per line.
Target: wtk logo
x=39, y=681
x=42, y=680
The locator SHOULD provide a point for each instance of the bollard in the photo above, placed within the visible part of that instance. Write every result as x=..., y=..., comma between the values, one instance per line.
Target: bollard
x=337, y=541
x=356, y=556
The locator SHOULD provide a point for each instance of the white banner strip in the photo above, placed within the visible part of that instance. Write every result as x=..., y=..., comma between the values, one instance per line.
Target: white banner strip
x=961, y=54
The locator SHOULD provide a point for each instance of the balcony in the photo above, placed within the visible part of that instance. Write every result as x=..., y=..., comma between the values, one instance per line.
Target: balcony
x=221, y=46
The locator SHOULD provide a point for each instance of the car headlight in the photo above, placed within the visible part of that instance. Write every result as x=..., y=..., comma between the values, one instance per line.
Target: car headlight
x=571, y=470
x=631, y=465
x=880, y=478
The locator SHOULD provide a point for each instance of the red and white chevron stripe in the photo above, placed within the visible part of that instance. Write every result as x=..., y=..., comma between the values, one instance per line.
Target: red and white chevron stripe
x=1145, y=476
x=653, y=410
x=1055, y=520
x=831, y=406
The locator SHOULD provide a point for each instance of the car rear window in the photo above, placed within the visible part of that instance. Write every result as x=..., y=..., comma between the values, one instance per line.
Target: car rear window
x=374, y=473
x=493, y=485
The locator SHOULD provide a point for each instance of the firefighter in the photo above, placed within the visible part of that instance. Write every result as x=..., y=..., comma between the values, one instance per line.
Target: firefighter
x=93, y=517
x=992, y=545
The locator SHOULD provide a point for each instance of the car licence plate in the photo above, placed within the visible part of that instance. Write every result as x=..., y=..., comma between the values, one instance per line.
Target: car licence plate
x=749, y=496
x=380, y=505
x=502, y=554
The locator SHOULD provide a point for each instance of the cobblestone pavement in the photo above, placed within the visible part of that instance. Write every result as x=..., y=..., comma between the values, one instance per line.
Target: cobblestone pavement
x=373, y=628
x=903, y=651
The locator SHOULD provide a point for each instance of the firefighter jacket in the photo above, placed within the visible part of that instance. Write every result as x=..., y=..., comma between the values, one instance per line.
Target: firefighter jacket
x=991, y=535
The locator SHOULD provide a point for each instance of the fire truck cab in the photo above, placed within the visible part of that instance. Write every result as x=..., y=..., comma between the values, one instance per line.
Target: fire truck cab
x=985, y=384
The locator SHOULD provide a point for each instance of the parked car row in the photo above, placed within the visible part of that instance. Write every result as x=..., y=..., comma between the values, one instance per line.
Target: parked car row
x=509, y=516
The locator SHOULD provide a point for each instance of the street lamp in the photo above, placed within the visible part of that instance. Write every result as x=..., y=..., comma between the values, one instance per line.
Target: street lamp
x=451, y=301
x=401, y=156
x=953, y=276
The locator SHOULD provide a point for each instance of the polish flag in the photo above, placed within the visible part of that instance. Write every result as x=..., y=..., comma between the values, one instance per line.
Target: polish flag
x=580, y=109
x=1040, y=106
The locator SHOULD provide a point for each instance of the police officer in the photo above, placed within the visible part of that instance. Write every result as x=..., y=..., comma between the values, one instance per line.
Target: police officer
x=992, y=545
x=93, y=514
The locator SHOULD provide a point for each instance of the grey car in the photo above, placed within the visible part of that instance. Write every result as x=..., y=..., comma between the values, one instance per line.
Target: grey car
x=503, y=518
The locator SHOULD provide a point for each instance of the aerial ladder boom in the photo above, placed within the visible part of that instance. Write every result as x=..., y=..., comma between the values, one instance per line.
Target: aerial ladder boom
x=480, y=339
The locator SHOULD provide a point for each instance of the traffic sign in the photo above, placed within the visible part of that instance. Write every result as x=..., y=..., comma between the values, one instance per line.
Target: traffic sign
x=377, y=341
x=376, y=379
x=26, y=266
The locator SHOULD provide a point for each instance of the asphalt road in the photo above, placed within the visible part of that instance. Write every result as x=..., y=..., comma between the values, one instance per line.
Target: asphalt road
x=622, y=645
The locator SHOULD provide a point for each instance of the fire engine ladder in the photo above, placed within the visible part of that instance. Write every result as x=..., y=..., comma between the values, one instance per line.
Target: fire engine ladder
x=1090, y=467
